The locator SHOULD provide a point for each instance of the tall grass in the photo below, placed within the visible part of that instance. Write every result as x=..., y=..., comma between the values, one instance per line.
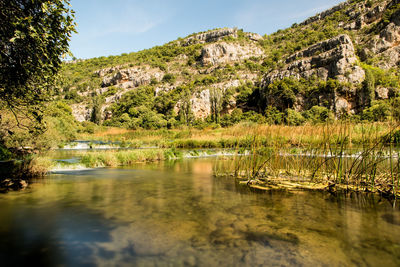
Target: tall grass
x=126, y=157
x=372, y=165
x=237, y=135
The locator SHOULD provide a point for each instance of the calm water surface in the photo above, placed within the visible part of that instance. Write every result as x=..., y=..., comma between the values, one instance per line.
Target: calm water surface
x=179, y=214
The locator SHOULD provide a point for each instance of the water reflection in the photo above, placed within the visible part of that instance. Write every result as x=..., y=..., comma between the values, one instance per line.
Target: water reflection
x=179, y=214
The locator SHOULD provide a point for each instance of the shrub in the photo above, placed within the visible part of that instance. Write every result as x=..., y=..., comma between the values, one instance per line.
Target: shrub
x=293, y=117
x=273, y=115
x=169, y=78
x=318, y=114
x=379, y=111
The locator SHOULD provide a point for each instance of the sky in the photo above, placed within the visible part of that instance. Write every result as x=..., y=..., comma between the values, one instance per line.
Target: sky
x=113, y=27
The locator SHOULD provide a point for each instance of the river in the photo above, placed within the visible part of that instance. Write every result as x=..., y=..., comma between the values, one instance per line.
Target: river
x=179, y=214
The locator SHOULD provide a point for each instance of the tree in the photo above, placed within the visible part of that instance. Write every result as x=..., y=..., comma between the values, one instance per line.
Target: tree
x=368, y=88
x=34, y=34
x=185, y=111
x=215, y=104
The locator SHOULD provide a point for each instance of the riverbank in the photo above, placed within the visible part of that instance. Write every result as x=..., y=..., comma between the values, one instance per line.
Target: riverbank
x=341, y=153
x=241, y=135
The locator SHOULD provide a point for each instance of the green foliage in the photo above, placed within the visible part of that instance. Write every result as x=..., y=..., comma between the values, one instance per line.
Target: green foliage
x=318, y=114
x=282, y=93
x=73, y=96
x=96, y=110
x=206, y=80
x=368, y=87
x=294, y=117
x=169, y=78
x=388, y=14
x=381, y=77
x=216, y=104
x=243, y=93
x=34, y=35
x=112, y=90
x=185, y=111
x=395, y=108
x=379, y=111
x=273, y=115
x=5, y=154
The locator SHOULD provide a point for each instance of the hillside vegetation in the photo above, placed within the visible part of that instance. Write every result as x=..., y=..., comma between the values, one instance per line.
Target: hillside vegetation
x=341, y=63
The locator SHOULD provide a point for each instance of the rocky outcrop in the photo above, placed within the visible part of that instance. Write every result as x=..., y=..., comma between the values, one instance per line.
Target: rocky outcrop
x=254, y=36
x=223, y=52
x=386, y=44
x=200, y=101
x=130, y=78
x=201, y=104
x=211, y=36
x=81, y=112
x=334, y=58
x=324, y=14
x=101, y=73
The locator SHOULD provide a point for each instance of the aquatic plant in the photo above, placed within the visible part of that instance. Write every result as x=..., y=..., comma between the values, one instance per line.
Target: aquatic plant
x=373, y=166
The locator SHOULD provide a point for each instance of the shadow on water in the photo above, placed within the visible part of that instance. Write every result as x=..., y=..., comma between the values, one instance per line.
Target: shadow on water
x=30, y=236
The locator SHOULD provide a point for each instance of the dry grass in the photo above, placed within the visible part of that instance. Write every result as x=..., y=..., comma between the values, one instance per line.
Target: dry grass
x=273, y=134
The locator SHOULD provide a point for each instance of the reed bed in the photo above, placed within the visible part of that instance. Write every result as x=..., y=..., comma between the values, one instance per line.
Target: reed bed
x=126, y=158
x=370, y=164
x=288, y=136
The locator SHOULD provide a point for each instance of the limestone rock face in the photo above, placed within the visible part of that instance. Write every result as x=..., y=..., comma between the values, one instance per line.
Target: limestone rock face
x=388, y=43
x=254, y=36
x=103, y=72
x=200, y=101
x=201, y=105
x=211, y=36
x=81, y=112
x=333, y=58
x=382, y=92
x=223, y=52
x=129, y=78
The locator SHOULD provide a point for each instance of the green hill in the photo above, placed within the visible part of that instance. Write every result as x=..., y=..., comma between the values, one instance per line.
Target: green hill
x=343, y=62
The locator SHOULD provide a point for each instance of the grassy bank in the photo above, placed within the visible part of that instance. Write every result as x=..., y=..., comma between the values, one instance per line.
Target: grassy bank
x=241, y=135
x=338, y=155
x=125, y=158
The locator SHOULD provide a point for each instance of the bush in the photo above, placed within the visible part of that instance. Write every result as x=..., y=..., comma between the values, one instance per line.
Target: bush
x=379, y=111
x=273, y=115
x=169, y=78
x=294, y=118
x=318, y=114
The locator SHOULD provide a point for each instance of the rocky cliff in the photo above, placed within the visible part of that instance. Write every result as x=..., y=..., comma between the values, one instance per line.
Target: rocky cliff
x=334, y=58
x=335, y=48
x=222, y=52
x=210, y=36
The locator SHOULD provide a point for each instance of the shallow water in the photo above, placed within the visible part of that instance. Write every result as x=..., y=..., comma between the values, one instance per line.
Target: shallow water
x=179, y=214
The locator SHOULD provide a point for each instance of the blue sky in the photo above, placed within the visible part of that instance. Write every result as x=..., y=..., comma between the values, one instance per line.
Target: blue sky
x=112, y=27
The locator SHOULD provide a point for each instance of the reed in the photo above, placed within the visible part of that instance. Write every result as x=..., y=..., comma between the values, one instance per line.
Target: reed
x=282, y=135
x=121, y=158
x=373, y=165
